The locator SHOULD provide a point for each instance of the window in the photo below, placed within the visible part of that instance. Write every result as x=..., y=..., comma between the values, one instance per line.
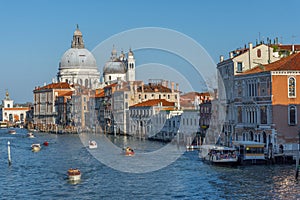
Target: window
x=292, y=87
x=292, y=115
x=239, y=67
x=258, y=53
x=126, y=96
x=263, y=115
x=239, y=114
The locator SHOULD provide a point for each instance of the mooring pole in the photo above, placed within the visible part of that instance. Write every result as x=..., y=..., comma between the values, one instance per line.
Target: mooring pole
x=8, y=152
x=297, y=161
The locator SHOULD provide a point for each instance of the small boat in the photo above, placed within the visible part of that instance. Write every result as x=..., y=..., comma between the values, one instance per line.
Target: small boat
x=93, y=144
x=129, y=151
x=35, y=147
x=74, y=174
x=12, y=131
x=30, y=135
x=221, y=155
x=46, y=143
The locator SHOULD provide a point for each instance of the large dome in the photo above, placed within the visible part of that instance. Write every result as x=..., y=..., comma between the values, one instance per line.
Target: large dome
x=77, y=58
x=114, y=67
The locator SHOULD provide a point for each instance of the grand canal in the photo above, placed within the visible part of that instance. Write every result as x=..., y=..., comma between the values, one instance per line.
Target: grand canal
x=42, y=175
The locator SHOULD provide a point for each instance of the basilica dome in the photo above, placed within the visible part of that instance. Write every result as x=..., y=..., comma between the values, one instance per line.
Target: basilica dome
x=77, y=58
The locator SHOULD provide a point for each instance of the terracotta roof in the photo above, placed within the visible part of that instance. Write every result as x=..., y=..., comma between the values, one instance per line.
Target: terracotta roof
x=100, y=93
x=154, y=88
x=61, y=85
x=25, y=108
x=291, y=62
x=65, y=93
x=154, y=102
x=288, y=47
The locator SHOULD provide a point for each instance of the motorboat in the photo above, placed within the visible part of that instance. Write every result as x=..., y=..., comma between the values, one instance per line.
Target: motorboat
x=46, y=143
x=216, y=154
x=12, y=131
x=30, y=135
x=35, y=147
x=129, y=151
x=74, y=174
x=93, y=144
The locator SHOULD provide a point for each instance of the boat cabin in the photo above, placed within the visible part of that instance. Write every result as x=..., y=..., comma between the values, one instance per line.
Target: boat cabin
x=250, y=152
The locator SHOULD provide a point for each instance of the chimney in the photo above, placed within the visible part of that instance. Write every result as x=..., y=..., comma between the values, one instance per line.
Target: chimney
x=293, y=48
x=167, y=84
x=230, y=54
x=142, y=87
x=172, y=86
x=177, y=87
x=131, y=86
x=250, y=45
x=221, y=58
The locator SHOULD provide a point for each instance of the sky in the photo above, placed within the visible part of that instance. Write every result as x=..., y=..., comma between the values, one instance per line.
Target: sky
x=35, y=34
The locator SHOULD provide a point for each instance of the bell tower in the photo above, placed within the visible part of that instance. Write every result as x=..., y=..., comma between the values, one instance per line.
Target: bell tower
x=130, y=66
x=77, y=41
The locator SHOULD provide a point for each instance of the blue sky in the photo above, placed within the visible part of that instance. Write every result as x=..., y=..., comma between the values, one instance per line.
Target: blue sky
x=35, y=34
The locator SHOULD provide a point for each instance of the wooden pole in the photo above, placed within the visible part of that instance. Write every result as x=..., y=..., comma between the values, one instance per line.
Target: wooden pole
x=8, y=152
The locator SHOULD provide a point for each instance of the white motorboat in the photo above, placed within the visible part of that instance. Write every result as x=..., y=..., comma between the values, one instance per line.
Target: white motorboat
x=93, y=144
x=35, y=147
x=74, y=174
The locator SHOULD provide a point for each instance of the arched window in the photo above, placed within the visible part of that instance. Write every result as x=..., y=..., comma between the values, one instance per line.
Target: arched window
x=86, y=83
x=251, y=135
x=292, y=87
x=292, y=117
x=258, y=53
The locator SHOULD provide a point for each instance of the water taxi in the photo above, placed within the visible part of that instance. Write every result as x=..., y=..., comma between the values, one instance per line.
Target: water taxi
x=74, y=174
x=35, y=147
x=129, y=151
x=250, y=152
x=216, y=154
x=93, y=144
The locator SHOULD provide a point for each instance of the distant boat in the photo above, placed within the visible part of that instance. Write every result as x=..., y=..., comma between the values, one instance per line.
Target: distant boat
x=192, y=147
x=35, y=147
x=30, y=135
x=93, y=144
x=74, y=174
x=221, y=155
x=129, y=151
x=12, y=131
x=46, y=143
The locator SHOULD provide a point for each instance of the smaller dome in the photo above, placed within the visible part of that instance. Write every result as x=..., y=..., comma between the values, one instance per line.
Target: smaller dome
x=114, y=67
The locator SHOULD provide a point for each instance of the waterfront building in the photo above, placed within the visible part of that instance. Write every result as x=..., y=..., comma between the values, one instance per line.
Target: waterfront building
x=119, y=96
x=148, y=119
x=45, y=101
x=10, y=113
x=240, y=61
x=267, y=103
x=78, y=65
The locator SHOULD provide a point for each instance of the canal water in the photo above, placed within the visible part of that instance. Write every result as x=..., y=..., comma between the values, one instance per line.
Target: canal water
x=42, y=175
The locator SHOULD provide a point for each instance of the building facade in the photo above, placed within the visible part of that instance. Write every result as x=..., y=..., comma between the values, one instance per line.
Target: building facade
x=11, y=114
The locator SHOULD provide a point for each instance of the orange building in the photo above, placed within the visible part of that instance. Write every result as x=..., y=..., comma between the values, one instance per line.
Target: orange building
x=267, y=101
